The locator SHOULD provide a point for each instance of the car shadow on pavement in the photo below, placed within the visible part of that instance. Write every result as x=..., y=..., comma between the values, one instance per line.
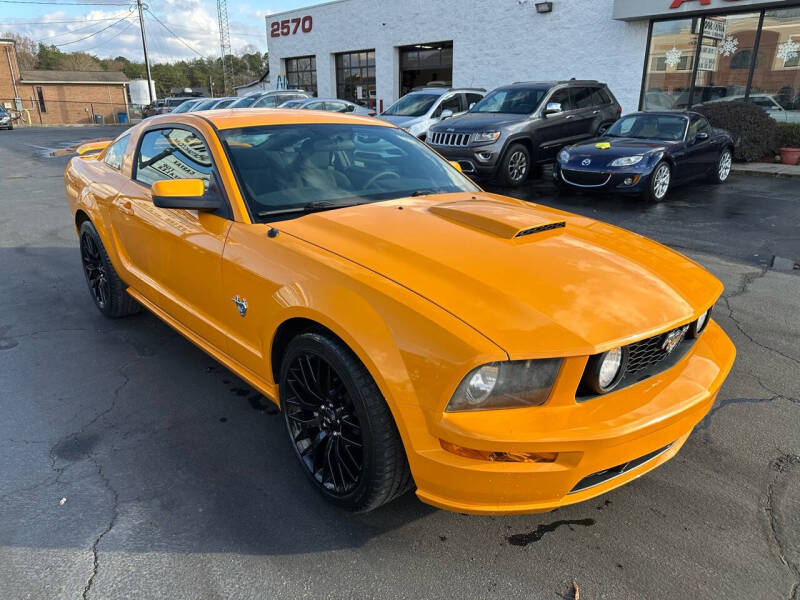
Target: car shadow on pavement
x=134, y=427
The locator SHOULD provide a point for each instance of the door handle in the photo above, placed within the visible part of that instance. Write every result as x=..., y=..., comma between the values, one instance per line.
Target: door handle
x=594, y=112
x=569, y=117
x=125, y=207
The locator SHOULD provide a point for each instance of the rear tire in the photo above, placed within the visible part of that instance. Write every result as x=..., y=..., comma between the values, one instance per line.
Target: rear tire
x=340, y=426
x=722, y=170
x=515, y=166
x=658, y=187
x=106, y=288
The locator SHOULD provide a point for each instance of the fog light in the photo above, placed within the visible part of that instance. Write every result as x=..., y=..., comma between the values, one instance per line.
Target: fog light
x=516, y=457
x=604, y=371
x=628, y=181
x=483, y=156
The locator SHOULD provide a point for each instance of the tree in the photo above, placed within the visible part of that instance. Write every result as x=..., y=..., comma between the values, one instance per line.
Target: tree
x=26, y=50
x=48, y=57
x=78, y=61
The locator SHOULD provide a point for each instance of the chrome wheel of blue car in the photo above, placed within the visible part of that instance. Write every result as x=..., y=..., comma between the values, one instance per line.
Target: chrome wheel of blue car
x=659, y=183
x=724, y=166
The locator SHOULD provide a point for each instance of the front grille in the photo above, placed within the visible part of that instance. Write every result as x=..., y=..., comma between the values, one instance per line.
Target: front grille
x=585, y=178
x=438, y=138
x=647, y=358
x=606, y=474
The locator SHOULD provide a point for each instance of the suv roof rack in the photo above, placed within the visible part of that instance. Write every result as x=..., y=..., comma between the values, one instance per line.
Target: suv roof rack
x=560, y=82
x=445, y=88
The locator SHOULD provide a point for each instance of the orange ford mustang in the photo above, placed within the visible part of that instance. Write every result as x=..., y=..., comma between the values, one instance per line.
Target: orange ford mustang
x=417, y=332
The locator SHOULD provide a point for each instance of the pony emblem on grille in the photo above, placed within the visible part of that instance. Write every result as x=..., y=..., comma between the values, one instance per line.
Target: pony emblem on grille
x=674, y=338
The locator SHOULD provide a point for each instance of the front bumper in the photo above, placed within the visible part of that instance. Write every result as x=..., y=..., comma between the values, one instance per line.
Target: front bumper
x=607, y=180
x=647, y=422
x=471, y=164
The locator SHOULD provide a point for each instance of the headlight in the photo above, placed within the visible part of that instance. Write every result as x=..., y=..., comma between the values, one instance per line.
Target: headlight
x=627, y=161
x=604, y=371
x=696, y=328
x=563, y=156
x=506, y=385
x=485, y=136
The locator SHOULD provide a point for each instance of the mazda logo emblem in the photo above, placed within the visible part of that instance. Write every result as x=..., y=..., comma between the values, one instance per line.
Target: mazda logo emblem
x=586, y=162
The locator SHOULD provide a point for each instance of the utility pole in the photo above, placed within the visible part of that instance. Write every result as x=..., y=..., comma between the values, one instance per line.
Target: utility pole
x=144, y=47
x=225, y=46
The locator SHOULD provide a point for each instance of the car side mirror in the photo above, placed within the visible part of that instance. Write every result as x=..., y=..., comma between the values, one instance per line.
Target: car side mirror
x=552, y=108
x=702, y=136
x=94, y=146
x=446, y=114
x=471, y=105
x=189, y=194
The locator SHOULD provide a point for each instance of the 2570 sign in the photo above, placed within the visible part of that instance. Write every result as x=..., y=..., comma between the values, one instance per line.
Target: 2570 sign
x=290, y=26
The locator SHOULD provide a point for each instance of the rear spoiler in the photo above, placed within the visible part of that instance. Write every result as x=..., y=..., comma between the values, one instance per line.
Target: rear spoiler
x=96, y=146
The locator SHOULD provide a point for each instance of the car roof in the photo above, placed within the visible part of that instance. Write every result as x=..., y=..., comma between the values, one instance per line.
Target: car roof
x=226, y=118
x=443, y=90
x=666, y=113
x=549, y=84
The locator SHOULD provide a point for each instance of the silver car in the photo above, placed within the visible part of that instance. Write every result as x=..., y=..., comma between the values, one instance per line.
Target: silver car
x=420, y=109
x=329, y=104
x=269, y=99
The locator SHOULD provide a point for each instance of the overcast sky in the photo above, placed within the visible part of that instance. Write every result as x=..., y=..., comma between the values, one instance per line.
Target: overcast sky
x=192, y=21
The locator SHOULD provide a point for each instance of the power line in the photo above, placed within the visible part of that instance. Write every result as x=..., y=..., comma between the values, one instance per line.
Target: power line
x=56, y=22
x=91, y=34
x=78, y=30
x=128, y=24
x=175, y=35
x=63, y=3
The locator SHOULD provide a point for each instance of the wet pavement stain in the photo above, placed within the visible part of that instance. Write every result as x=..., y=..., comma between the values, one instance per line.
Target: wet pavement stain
x=6, y=343
x=523, y=539
x=76, y=448
x=604, y=505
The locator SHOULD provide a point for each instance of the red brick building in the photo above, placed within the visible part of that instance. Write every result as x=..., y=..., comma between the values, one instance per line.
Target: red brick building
x=60, y=97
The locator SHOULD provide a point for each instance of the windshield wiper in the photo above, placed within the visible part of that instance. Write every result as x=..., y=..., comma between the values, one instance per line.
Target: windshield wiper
x=417, y=193
x=311, y=207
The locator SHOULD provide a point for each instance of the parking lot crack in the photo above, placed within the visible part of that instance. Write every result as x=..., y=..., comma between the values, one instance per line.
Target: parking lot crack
x=109, y=526
x=740, y=327
x=783, y=466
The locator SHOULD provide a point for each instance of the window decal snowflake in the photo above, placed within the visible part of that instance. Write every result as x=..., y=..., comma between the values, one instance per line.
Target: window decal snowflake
x=673, y=57
x=788, y=50
x=729, y=46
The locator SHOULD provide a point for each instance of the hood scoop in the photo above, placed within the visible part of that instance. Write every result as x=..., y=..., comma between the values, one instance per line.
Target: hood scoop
x=507, y=221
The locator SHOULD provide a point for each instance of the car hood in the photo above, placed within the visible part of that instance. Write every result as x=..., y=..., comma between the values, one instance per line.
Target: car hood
x=470, y=122
x=537, y=281
x=401, y=121
x=619, y=146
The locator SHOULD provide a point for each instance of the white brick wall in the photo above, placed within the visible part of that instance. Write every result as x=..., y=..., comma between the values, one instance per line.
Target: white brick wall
x=494, y=41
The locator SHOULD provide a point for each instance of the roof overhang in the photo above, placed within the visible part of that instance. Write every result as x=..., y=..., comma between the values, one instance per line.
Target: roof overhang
x=633, y=10
x=47, y=81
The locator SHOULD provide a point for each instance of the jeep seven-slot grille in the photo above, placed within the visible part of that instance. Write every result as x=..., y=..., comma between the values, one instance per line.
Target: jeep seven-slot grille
x=438, y=138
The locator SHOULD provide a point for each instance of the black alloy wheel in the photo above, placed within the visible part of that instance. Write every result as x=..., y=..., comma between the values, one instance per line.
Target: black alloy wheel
x=339, y=424
x=323, y=424
x=95, y=270
x=108, y=291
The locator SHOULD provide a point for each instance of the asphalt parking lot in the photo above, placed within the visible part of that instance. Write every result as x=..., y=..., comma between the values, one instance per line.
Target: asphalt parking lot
x=134, y=466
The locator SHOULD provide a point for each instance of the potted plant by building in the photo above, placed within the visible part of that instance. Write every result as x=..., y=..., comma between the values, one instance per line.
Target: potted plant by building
x=790, y=156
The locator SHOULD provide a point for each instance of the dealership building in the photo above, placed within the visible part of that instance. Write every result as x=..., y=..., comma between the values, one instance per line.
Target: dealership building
x=653, y=54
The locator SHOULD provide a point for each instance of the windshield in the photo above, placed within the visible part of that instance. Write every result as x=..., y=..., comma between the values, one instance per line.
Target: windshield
x=224, y=103
x=284, y=168
x=245, y=101
x=412, y=105
x=206, y=104
x=515, y=101
x=649, y=127
x=185, y=107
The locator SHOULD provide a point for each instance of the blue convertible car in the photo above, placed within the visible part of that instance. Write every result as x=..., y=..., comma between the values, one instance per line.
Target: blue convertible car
x=645, y=153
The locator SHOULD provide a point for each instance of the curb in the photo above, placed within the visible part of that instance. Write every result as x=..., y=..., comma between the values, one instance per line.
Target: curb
x=777, y=171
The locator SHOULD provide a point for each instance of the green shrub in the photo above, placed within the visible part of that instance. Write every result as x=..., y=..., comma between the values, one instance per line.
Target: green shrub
x=754, y=132
x=789, y=135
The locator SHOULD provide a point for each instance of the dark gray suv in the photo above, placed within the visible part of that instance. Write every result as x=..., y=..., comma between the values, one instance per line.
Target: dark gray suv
x=516, y=128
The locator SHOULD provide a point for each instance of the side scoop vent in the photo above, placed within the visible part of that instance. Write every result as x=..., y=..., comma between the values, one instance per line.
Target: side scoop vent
x=541, y=228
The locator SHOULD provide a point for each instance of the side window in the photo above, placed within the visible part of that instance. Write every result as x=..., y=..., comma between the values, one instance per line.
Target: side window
x=266, y=102
x=336, y=106
x=315, y=106
x=116, y=152
x=704, y=126
x=172, y=154
x=582, y=97
x=598, y=98
x=473, y=99
x=564, y=98
x=452, y=103
x=694, y=128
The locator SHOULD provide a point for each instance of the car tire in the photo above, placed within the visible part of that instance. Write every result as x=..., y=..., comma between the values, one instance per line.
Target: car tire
x=515, y=166
x=722, y=170
x=658, y=186
x=106, y=288
x=342, y=431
